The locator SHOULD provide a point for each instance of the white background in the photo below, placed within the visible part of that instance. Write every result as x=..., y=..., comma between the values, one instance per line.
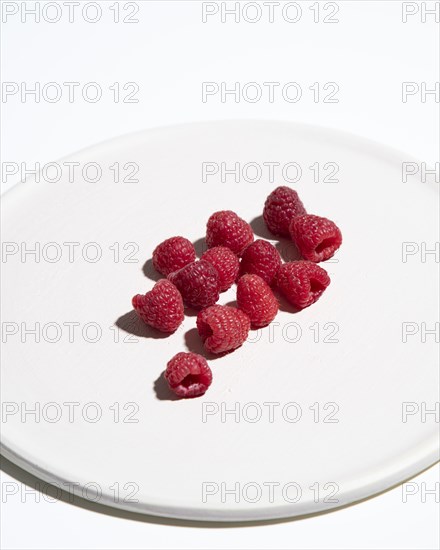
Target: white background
x=169, y=53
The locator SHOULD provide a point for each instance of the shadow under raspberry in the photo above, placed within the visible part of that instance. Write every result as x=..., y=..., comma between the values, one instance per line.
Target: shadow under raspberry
x=130, y=323
x=162, y=390
x=150, y=272
x=191, y=312
x=288, y=250
x=260, y=228
x=194, y=343
x=284, y=304
x=200, y=247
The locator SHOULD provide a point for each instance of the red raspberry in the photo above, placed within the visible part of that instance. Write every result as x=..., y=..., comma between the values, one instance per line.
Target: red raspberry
x=161, y=308
x=222, y=328
x=281, y=206
x=256, y=299
x=188, y=374
x=198, y=283
x=225, y=228
x=173, y=254
x=225, y=262
x=261, y=258
x=302, y=283
x=316, y=238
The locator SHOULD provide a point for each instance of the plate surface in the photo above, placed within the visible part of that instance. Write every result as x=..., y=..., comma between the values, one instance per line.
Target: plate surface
x=325, y=407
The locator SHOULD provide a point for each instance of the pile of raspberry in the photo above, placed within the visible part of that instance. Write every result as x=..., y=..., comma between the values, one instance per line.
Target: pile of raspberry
x=233, y=256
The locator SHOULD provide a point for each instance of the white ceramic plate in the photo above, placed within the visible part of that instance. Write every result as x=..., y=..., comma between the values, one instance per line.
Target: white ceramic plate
x=329, y=402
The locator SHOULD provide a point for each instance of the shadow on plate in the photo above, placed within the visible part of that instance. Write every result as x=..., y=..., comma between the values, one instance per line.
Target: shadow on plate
x=191, y=312
x=260, y=229
x=194, y=343
x=162, y=391
x=200, y=247
x=284, y=304
x=130, y=323
x=288, y=250
x=150, y=272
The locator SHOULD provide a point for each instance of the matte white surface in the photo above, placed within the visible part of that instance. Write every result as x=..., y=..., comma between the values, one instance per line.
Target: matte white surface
x=367, y=371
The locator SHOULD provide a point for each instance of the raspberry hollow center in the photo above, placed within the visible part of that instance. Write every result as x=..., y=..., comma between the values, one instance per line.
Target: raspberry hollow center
x=194, y=380
x=329, y=243
x=205, y=330
x=316, y=287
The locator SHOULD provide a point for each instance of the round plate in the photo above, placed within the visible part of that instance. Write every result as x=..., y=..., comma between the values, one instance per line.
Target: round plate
x=325, y=407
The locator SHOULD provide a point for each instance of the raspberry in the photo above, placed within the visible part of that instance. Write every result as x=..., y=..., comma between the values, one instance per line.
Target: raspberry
x=261, y=258
x=225, y=228
x=188, y=374
x=161, y=308
x=281, y=206
x=316, y=238
x=226, y=264
x=198, y=283
x=173, y=254
x=256, y=299
x=302, y=282
x=222, y=328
